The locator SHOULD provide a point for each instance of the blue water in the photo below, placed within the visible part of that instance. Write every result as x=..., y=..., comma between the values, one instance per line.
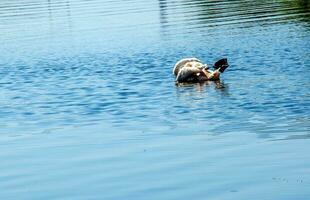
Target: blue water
x=89, y=108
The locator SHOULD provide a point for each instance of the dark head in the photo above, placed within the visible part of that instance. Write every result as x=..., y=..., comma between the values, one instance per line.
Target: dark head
x=221, y=64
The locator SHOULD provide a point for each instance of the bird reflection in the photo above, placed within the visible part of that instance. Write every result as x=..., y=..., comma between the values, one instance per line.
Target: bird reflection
x=201, y=87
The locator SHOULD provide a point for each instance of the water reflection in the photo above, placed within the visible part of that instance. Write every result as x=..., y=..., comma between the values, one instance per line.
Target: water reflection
x=163, y=12
x=197, y=94
x=302, y=5
x=203, y=15
x=294, y=137
x=53, y=14
x=219, y=85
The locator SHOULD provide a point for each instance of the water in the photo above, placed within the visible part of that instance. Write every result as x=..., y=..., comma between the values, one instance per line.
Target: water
x=89, y=108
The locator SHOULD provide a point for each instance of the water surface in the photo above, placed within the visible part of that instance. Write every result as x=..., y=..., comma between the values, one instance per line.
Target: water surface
x=89, y=108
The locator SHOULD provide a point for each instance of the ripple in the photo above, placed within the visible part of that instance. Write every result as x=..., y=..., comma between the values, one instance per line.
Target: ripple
x=88, y=101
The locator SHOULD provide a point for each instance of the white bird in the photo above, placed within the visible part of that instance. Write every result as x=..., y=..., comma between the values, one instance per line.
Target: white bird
x=193, y=70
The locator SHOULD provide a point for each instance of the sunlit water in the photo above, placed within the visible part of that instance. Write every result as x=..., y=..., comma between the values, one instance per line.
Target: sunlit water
x=89, y=108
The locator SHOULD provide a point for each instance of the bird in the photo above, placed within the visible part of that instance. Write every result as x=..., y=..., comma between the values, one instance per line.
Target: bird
x=192, y=70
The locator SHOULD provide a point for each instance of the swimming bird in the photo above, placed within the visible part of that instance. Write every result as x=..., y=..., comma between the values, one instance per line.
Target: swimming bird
x=192, y=70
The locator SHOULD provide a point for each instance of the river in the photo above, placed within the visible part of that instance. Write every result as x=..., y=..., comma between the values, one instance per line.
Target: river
x=89, y=108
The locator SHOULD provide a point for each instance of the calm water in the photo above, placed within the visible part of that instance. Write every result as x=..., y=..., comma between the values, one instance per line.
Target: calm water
x=89, y=109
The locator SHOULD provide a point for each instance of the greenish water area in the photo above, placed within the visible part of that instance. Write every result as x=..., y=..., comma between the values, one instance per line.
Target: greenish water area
x=89, y=108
